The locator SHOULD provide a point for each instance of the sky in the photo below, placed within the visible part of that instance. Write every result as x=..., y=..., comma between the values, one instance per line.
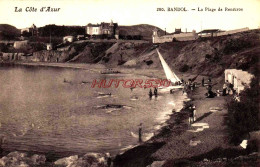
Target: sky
x=132, y=12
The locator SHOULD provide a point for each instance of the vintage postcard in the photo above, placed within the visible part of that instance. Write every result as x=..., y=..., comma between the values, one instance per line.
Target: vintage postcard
x=129, y=83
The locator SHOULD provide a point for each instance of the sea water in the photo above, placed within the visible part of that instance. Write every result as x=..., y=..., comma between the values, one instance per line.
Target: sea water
x=55, y=110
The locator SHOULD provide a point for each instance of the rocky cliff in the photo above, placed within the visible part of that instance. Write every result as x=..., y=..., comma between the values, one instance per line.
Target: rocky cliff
x=205, y=56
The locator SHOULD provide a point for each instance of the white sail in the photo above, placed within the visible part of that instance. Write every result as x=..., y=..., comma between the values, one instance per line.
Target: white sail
x=168, y=72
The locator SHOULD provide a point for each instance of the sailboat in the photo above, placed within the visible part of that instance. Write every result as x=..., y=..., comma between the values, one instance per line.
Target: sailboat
x=169, y=75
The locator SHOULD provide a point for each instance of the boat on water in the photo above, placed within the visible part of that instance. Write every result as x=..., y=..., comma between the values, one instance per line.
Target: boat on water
x=104, y=94
x=109, y=71
x=170, y=75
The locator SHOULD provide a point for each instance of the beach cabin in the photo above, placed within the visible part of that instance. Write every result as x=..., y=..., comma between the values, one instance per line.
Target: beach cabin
x=49, y=46
x=239, y=78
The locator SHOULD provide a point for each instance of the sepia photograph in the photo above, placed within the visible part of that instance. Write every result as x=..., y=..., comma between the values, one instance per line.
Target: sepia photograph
x=129, y=83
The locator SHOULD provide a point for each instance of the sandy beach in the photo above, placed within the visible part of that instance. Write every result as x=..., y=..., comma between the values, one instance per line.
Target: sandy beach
x=205, y=142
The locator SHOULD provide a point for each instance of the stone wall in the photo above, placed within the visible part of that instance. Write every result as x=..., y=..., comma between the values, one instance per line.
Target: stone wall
x=178, y=37
x=232, y=31
x=49, y=56
x=12, y=56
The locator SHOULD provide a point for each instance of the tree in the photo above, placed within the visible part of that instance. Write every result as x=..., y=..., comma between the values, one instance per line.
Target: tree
x=243, y=115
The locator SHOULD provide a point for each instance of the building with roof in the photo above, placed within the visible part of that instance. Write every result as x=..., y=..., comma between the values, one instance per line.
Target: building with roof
x=68, y=39
x=49, y=46
x=30, y=31
x=177, y=31
x=239, y=78
x=218, y=32
x=208, y=33
x=108, y=29
x=21, y=44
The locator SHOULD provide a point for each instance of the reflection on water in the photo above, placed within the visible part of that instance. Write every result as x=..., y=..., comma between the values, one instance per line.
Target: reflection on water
x=40, y=112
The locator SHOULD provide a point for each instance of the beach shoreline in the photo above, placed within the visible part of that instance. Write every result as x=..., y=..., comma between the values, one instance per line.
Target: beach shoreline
x=73, y=66
x=162, y=146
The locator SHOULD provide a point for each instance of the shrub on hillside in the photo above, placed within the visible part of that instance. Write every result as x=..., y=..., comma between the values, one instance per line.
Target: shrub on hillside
x=235, y=45
x=184, y=68
x=243, y=115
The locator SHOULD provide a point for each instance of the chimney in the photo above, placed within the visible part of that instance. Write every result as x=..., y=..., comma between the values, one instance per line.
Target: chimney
x=186, y=30
x=165, y=31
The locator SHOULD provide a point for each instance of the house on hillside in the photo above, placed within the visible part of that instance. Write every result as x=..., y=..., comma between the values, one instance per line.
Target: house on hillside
x=177, y=31
x=239, y=78
x=31, y=31
x=107, y=29
x=49, y=46
x=208, y=33
x=67, y=39
x=21, y=44
x=80, y=37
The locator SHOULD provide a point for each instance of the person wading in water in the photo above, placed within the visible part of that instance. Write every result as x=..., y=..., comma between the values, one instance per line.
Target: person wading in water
x=155, y=92
x=150, y=93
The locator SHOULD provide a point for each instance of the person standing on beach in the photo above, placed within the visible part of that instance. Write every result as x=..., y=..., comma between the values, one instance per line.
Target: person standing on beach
x=109, y=160
x=224, y=89
x=194, y=113
x=155, y=92
x=190, y=115
x=209, y=80
x=140, y=132
x=150, y=93
x=193, y=86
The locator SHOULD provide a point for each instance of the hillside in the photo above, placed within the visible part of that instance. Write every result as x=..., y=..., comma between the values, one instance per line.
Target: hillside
x=206, y=56
x=144, y=30
x=8, y=32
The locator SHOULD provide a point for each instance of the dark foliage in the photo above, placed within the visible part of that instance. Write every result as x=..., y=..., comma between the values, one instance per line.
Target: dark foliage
x=235, y=45
x=8, y=32
x=243, y=116
x=149, y=62
x=121, y=62
x=53, y=40
x=208, y=56
x=3, y=47
x=174, y=40
x=131, y=37
x=184, y=68
x=61, y=31
x=26, y=34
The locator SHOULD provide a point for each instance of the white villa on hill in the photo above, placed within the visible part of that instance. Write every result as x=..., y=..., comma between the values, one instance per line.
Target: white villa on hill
x=101, y=29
